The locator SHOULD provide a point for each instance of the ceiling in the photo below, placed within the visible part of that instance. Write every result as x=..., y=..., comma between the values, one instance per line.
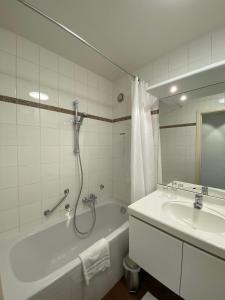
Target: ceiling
x=131, y=32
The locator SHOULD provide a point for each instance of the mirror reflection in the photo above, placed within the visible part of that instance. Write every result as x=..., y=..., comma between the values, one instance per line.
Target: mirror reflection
x=192, y=132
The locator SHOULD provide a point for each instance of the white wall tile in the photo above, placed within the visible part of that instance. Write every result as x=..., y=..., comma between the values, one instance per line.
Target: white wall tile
x=93, y=79
x=49, y=137
x=66, y=121
x=160, y=69
x=7, y=85
x=27, y=115
x=178, y=62
x=49, y=154
x=7, y=64
x=7, y=113
x=48, y=59
x=27, y=79
x=27, y=50
x=7, y=74
x=50, y=171
x=8, y=41
x=49, y=86
x=28, y=155
x=80, y=74
x=8, y=177
x=50, y=189
x=28, y=135
x=49, y=118
x=66, y=67
x=30, y=213
x=30, y=193
x=8, y=156
x=8, y=135
x=66, y=137
x=29, y=174
x=8, y=220
x=8, y=198
x=200, y=52
x=218, y=45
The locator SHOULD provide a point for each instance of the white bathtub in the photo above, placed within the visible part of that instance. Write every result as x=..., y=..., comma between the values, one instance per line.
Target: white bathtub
x=45, y=264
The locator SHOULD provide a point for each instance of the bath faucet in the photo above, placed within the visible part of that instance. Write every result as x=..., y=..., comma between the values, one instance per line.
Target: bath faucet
x=91, y=199
x=198, y=204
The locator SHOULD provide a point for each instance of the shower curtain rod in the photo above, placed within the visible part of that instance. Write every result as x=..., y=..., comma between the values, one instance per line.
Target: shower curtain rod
x=74, y=35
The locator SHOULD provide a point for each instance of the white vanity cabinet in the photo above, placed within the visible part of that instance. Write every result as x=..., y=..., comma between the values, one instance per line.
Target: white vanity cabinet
x=188, y=271
x=156, y=252
x=203, y=275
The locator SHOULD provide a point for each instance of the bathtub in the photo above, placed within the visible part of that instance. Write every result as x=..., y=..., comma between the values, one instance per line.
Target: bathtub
x=45, y=265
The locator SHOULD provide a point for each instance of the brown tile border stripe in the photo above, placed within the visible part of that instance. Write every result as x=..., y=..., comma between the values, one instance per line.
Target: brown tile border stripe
x=121, y=119
x=48, y=107
x=178, y=125
x=153, y=112
x=62, y=110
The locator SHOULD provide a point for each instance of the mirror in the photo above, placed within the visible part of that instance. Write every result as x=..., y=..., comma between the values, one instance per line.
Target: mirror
x=192, y=133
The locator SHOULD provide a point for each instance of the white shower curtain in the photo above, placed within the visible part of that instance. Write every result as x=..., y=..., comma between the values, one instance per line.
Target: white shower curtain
x=144, y=143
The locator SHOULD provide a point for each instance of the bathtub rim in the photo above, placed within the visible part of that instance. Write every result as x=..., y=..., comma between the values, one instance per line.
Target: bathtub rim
x=25, y=290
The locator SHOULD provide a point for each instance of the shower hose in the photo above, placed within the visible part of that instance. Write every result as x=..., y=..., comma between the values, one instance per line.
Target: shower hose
x=92, y=205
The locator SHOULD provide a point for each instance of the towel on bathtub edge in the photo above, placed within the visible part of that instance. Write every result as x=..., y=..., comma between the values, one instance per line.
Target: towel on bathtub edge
x=95, y=259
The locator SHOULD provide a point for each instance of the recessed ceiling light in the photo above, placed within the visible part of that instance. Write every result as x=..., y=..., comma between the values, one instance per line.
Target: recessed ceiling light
x=173, y=89
x=221, y=100
x=183, y=98
x=36, y=95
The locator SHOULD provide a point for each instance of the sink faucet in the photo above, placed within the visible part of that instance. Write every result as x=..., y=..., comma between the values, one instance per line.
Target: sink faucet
x=198, y=201
x=205, y=190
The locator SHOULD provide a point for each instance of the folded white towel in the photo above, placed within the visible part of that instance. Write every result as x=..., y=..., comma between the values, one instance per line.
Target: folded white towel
x=95, y=259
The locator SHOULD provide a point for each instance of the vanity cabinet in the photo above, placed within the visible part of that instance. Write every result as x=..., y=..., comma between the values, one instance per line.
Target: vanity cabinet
x=156, y=252
x=203, y=275
x=188, y=271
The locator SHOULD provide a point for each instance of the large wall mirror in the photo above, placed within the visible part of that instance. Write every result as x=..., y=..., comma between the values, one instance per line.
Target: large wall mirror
x=192, y=133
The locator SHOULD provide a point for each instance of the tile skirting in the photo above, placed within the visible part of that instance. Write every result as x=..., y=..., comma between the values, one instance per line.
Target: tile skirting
x=62, y=110
x=178, y=125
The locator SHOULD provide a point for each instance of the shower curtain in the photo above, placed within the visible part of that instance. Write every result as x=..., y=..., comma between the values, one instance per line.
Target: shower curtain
x=145, y=150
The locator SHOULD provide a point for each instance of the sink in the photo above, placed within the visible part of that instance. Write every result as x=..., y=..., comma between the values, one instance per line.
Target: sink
x=205, y=219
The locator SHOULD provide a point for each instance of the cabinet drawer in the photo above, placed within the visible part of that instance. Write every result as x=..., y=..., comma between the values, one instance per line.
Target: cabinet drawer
x=203, y=275
x=156, y=252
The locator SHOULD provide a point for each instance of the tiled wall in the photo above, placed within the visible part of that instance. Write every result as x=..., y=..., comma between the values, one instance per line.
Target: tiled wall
x=121, y=140
x=201, y=52
x=36, y=146
x=179, y=144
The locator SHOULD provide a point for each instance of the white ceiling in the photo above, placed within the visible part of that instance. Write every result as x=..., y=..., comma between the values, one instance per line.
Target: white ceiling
x=131, y=32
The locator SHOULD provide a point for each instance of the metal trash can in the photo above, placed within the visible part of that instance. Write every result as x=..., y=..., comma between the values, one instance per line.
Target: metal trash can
x=132, y=274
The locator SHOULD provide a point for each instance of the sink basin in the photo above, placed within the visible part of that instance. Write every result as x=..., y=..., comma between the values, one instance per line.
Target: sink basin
x=205, y=219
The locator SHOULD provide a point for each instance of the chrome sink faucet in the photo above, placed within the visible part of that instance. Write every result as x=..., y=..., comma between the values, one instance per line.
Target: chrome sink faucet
x=198, y=204
x=205, y=190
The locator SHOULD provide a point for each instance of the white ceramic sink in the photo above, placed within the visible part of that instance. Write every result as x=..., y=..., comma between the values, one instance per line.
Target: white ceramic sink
x=205, y=219
x=172, y=211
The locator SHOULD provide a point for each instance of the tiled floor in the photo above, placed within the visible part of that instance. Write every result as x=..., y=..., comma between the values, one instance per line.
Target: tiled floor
x=119, y=291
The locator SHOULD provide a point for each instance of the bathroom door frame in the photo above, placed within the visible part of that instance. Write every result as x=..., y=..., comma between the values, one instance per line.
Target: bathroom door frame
x=198, y=155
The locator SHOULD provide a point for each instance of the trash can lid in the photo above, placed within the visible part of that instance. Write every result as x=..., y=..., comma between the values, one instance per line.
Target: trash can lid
x=130, y=263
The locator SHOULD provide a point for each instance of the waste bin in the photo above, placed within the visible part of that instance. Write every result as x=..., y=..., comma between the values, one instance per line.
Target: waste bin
x=132, y=274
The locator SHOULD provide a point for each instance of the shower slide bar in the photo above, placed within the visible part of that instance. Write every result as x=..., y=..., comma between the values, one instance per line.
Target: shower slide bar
x=48, y=212
x=35, y=9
